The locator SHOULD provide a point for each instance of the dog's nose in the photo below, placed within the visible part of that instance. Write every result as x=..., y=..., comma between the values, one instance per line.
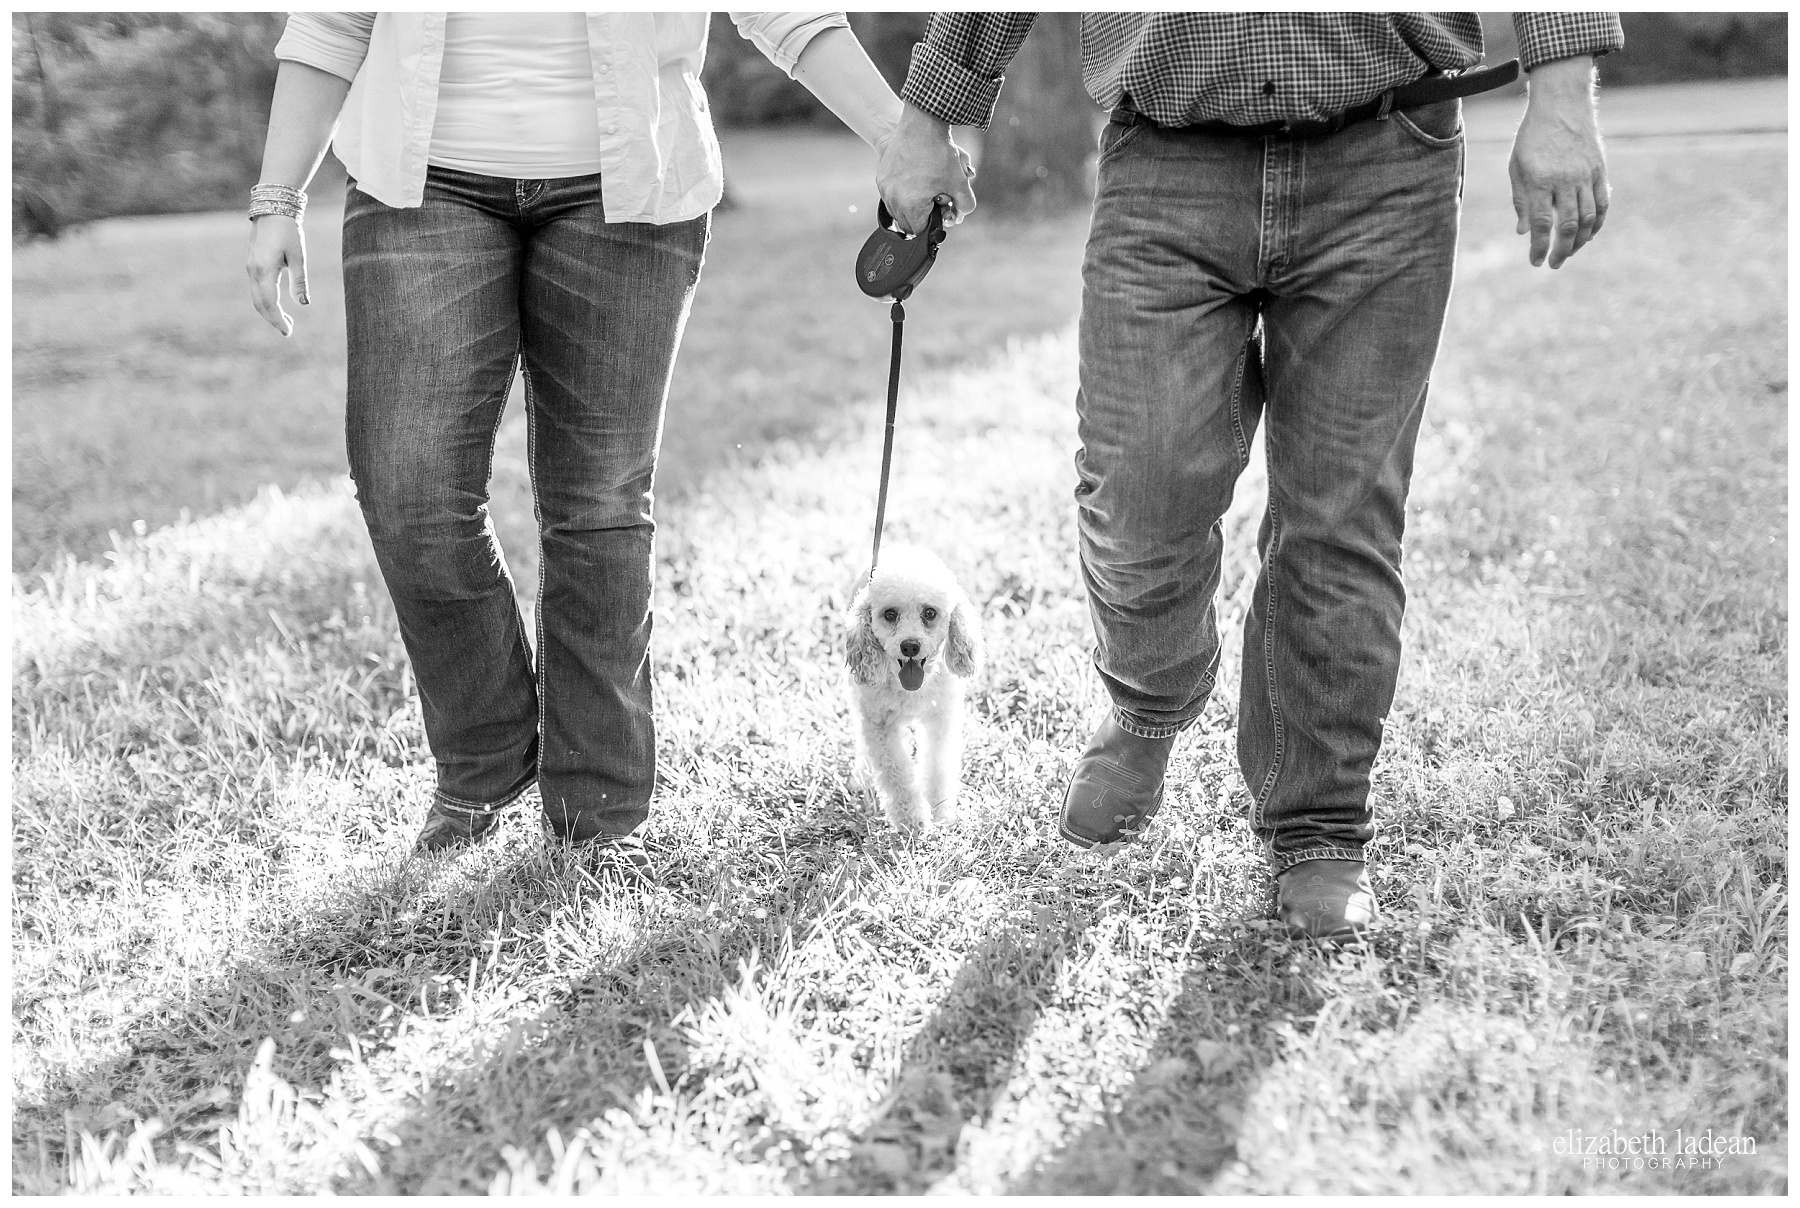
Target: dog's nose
x=910, y=648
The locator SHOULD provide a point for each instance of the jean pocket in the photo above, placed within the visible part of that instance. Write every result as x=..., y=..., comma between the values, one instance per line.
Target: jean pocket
x=1436, y=126
x=1116, y=136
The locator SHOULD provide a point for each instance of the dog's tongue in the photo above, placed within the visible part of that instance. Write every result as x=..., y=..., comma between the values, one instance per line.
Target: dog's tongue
x=912, y=674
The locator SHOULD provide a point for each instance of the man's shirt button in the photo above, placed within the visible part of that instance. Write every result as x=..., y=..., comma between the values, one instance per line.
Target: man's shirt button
x=1268, y=87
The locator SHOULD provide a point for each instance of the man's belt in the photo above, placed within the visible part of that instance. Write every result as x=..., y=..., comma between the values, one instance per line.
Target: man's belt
x=1426, y=91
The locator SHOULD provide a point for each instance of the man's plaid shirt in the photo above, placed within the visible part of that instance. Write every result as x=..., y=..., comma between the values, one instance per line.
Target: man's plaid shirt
x=1244, y=68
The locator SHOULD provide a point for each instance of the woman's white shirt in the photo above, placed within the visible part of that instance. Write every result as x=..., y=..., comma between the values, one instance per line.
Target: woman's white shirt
x=516, y=97
x=656, y=147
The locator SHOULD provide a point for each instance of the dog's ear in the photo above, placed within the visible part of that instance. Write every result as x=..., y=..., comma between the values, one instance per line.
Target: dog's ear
x=962, y=650
x=862, y=649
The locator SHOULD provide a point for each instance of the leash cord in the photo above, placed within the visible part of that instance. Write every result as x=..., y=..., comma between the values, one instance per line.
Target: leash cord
x=898, y=314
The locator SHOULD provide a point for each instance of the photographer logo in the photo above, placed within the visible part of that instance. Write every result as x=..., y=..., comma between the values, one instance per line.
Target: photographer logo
x=1652, y=1150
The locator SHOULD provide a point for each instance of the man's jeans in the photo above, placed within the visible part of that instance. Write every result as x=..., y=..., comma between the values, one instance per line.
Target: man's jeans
x=1342, y=247
x=442, y=302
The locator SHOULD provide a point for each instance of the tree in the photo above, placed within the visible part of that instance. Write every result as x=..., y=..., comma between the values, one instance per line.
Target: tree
x=1664, y=47
x=889, y=38
x=1037, y=156
x=136, y=113
x=745, y=89
x=1697, y=46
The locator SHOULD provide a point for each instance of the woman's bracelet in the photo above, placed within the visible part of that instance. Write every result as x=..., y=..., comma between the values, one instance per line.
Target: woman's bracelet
x=285, y=200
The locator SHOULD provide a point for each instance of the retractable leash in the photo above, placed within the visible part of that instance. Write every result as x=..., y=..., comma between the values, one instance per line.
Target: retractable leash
x=889, y=266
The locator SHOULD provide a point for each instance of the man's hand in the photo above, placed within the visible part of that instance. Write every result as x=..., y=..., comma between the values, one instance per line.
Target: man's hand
x=920, y=164
x=1558, y=170
x=277, y=250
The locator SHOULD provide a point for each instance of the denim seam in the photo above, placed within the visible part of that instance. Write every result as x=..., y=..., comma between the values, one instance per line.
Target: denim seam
x=1286, y=861
x=1237, y=397
x=1297, y=189
x=1268, y=785
x=475, y=806
x=1262, y=224
x=1281, y=209
x=537, y=513
x=457, y=805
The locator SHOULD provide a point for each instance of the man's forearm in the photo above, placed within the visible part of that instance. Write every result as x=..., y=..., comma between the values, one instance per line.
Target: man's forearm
x=956, y=71
x=1560, y=79
x=1549, y=37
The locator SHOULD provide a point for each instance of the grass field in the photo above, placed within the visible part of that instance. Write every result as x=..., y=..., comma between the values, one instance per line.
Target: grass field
x=144, y=384
x=229, y=976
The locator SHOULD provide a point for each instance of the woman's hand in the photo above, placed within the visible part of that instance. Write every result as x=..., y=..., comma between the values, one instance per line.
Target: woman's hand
x=306, y=104
x=277, y=249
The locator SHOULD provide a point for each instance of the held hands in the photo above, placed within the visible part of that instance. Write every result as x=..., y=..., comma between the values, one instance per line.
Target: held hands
x=920, y=163
x=1559, y=187
x=277, y=250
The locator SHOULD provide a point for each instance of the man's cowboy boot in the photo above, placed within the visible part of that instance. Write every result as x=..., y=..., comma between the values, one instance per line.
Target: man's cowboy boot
x=1325, y=899
x=616, y=857
x=448, y=826
x=1116, y=788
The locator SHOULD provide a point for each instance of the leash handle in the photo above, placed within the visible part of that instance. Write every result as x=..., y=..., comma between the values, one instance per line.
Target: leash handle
x=892, y=262
x=898, y=315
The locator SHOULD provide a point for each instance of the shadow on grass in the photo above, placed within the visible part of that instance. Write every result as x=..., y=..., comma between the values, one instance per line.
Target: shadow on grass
x=449, y=1006
x=1171, y=1131
x=957, y=1068
x=337, y=972
x=1176, y=1126
x=413, y=960
x=587, y=1050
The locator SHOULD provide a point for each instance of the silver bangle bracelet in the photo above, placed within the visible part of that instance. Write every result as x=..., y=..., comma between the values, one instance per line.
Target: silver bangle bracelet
x=284, y=200
x=265, y=209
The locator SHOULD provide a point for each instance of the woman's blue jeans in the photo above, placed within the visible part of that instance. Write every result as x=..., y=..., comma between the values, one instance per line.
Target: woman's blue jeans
x=442, y=303
x=1304, y=283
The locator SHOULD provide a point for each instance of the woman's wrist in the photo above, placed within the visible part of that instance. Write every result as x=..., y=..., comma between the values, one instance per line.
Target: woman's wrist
x=836, y=69
x=884, y=125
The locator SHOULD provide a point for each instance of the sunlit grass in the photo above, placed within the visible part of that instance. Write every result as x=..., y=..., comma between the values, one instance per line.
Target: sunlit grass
x=230, y=976
x=144, y=385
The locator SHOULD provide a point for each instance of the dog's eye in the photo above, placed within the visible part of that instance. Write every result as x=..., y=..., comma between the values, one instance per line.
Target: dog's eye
x=930, y=615
x=890, y=615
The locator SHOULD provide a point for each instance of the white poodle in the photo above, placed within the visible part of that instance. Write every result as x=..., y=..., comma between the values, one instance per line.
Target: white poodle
x=914, y=636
